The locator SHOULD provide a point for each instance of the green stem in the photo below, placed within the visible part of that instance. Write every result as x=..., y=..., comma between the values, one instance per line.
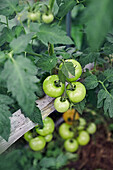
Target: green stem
x=7, y=22
x=35, y=54
x=50, y=49
x=105, y=89
x=51, y=4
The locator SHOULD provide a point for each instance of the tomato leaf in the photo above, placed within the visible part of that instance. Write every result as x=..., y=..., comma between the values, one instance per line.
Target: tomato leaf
x=101, y=96
x=47, y=63
x=108, y=105
x=20, y=78
x=53, y=35
x=80, y=106
x=91, y=82
x=88, y=57
x=19, y=44
x=5, y=101
x=6, y=36
x=62, y=77
x=65, y=6
x=98, y=22
x=48, y=162
x=35, y=116
x=67, y=69
x=8, y=7
x=109, y=75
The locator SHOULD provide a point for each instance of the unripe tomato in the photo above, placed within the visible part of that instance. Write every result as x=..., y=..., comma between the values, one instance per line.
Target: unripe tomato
x=48, y=127
x=82, y=123
x=53, y=87
x=71, y=145
x=47, y=18
x=48, y=138
x=77, y=94
x=61, y=106
x=91, y=129
x=28, y=136
x=65, y=131
x=34, y=16
x=78, y=70
x=83, y=138
x=37, y=143
x=70, y=115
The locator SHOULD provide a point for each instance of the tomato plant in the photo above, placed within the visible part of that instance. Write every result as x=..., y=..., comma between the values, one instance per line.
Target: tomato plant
x=61, y=105
x=71, y=145
x=78, y=69
x=83, y=138
x=52, y=86
x=34, y=16
x=37, y=143
x=65, y=131
x=49, y=137
x=28, y=136
x=47, y=18
x=77, y=92
x=70, y=115
x=91, y=129
x=48, y=127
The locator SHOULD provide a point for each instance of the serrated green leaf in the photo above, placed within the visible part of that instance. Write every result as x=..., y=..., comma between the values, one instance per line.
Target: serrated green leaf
x=68, y=69
x=98, y=22
x=4, y=121
x=101, y=96
x=20, y=78
x=34, y=27
x=61, y=160
x=35, y=116
x=8, y=7
x=109, y=75
x=6, y=99
x=6, y=36
x=65, y=6
x=108, y=105
x=80, y=106
x=2, y=57
x=53, y=35
x=19, y=44
x=62, y=77
x=89, y=57
x=91, y=82
x=48, y=162
x=47, y=63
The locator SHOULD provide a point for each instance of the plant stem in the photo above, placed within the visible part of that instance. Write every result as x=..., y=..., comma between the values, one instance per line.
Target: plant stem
x=7, y=22
x=105, y=89
x=51, y=4
x=38, y=55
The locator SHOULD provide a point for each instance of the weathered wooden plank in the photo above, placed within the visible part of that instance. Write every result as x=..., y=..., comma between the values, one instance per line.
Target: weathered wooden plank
x=20, y=124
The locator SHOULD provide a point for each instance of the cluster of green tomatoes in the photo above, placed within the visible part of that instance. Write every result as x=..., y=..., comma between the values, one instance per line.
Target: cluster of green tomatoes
x=74, y=91
x=40, y=14
x=38, y=139
x=75, y=135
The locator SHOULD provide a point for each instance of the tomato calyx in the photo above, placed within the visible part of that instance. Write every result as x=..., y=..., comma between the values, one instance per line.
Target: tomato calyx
x=71, y=141
x=57, y=83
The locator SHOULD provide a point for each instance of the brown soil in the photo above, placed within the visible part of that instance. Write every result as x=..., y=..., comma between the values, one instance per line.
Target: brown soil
x=98, y=154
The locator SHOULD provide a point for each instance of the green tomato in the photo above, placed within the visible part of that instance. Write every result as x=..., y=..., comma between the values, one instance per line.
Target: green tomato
x=28, y=136
x=83, y=138
x=61, y=106
x=91, y=129
x=47, y=18
x=34, y=16
x=78, y=70
x=82, y=123
x=48, y=138
x=48, y=127
x=77, y=94
x=53, y=87
x=71, y=145
x=37, y=143
x=65, y=131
